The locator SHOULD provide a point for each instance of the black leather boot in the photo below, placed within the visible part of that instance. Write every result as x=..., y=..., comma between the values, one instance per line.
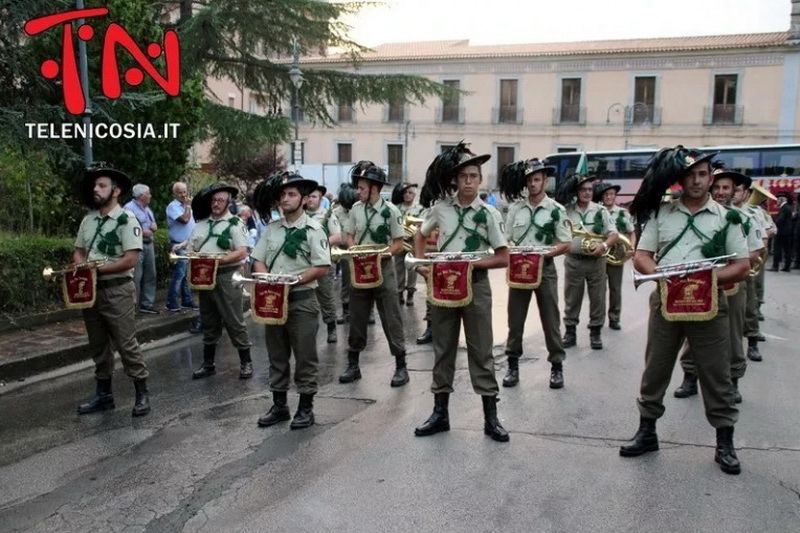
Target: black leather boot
x=512, y=376
x=491, y=425
x=371, y=318
x=279, y=412
x=557, y=376
x=352, y=372
x=142, y=404
x=595, y=341
x=688, y=387
x=345, y=318
x=427, y=335
x=332, y=337
x=570, y=337
x=400, y=296
x=752, y=349
x=103, y=400
x=725, y=455
x=245, y=364
x=439, y=420
x=400, y=377
x=410, y=297
x=737, y=396
x=304, y=417
x=644, y=441
x=208, y=368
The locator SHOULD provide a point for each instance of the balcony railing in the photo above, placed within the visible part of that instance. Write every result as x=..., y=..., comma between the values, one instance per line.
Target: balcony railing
x=345, y=113
x=507, y=114
x=569, y=115
x=724, y=114
x=642, y=115
x=449, y=115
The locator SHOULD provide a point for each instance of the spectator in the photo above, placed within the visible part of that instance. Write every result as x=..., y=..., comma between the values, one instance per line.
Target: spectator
x=180, y=223
x=144, y=276
x=325, y=203
x=492, y=199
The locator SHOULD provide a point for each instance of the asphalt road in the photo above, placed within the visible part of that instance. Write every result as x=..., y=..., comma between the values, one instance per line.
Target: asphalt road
x=199, y=463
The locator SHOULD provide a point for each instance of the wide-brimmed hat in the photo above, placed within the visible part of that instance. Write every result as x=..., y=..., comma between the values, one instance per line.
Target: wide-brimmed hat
x=368, y=170
x=601, y=187
x=304, y=185
x=323, y=190
x=201, y=204
x=101, y=170
x=399, y=192
x=534, y=165
x=441, y=174
x=469, y=159
x=737, y=177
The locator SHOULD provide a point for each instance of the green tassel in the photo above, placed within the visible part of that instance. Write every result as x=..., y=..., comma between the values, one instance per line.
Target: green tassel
x=597, y=227
x=294, y=240
x=386, y=213
x=472, y=243
x=122, y=219
x=733, y=217
x=233, y=221
x=381, y=234
x=480, y=216
x=540, y=236
x=555, y=214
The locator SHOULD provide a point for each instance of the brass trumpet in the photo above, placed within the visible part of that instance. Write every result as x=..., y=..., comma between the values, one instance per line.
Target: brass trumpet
x=48, y=273
x=410, y=226
x=532, y=250
x=337, y=254
x=681, y=269
x=445, y=257
x=174, y=258
x=263, y=277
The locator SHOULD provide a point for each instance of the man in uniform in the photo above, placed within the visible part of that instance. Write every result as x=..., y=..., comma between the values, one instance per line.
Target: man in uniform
x=535, y=221
x=693, y=228
x=347, y=197
x=606, y=195
x=375, y=221
x=466, y=224
x=332, y=228
x=403, y=197
x=110, y=233
x=294, y=245
x=580, y=268
x=219, y=232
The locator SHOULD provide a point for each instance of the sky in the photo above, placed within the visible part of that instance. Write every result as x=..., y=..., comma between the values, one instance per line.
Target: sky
x=529, y=21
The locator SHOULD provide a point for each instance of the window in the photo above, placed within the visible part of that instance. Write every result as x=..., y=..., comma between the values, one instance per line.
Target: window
x=231, y=100
x=571, y=100
x=344, y=152
x=505, y=156
x=644, y=100
x=396, y=111
x=724, y=111
x=508, y=102
x=566, y=149
x=395, y=157
x=345, y=112
x=298, y=153
x=450, y=101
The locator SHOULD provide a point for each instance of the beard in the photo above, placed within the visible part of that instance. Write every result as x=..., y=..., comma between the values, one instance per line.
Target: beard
x=100, y=201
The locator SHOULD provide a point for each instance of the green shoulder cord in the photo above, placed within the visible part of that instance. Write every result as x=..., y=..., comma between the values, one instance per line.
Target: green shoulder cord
x=224, y=238
x=292, y=245
x=597, y=225
x=545, y=233
x=380, y=235
x=473, y=241
x=622, y=227
x=109, y=240
x=716, y=246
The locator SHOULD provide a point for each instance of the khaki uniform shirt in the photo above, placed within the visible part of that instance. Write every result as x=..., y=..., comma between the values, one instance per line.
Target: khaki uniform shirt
x=109, y=237
x=452, y=238
x=341, y=215
x=767, y=223
x=622, y=219
x=364, y=216
x=756, y=232
x=199, y=241
x=522, y=215
x=334, y=227
x=672, y=218
x=584, y=220
x=413, y=210
x=313, y=251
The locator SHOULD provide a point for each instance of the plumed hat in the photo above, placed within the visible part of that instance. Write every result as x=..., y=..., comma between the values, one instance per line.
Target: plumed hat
x=101, y=170
x=201, y=204
x=738, y=178
x=439, y=179
x=514, y=177
x=399, y=191
x=567, y=190
x=601, y=187
x=347, y=196
x=369, y=171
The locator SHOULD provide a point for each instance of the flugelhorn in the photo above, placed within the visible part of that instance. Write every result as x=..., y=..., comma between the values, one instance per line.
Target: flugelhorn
x=174, y=258
x=263, y=277
x=410, y=225
x=445, y=257
x=48, y=273
x=337, y=254
x=758, y=194
x=681, y=269
x=618, y=253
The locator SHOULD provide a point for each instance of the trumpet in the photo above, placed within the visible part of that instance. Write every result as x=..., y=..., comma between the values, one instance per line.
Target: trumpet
x=337, y=254
x=263, y=277
x=681, y=269
x=445, y=257
x=48, y=273
x=531, y=250
x=174, y=258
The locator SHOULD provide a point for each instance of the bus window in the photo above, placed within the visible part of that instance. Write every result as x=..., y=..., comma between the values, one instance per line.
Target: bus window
x=778, y=162
x=744, y=162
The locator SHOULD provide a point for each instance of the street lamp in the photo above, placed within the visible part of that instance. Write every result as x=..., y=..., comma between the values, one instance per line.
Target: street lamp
x=619, y=107
x=296, y=76
x=402, y=133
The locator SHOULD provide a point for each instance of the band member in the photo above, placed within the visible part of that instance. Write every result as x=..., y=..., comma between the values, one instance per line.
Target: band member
x=347, y=197
x=110, y=233
x=606, y=195
x=770, y=230
x=585, y=264
x=403, y=197
x=693, y=228
x=722, y=190
x=219, y=232
x=374, y=221
x=330, y=224
x=466, y=224
x=294, y=245
x=535, y=221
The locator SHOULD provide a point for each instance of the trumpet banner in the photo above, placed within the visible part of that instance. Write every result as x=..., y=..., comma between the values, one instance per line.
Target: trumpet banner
x=690, y=298
x=731, y=289
x=203, y=273
x=79, y=288
x=365, y=271
x=525, y=271
x=269, y=303
x=450, y=284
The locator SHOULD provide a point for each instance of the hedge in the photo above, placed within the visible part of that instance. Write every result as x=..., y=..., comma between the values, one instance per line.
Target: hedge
x=22, y=289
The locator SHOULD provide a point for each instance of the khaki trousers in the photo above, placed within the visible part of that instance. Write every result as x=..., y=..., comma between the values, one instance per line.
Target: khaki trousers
x=324, y=292
x=547, y=300
x=580, y=270
x=220, y=307
x=710, y=341
x=344, y=293
x=110, y=323
x=299, y=337
x=385, y=298
x=614, y=275
x=760, y=286
x=446, y=328
x=406, y=279
x=751, y=327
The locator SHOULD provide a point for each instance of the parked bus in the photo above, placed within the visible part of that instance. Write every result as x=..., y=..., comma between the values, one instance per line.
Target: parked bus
x=774, y=167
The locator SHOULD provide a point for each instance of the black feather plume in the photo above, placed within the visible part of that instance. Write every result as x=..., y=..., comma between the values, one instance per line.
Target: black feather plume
x=439, y=177
x=513, y=180
x=398, y=193
x=267, y=195
x=664, y=169
x=347, y=196
x=568, y=189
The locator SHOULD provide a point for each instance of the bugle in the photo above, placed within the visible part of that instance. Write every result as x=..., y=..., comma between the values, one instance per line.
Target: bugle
x=337, y=254
x=445, y=257
x=534, y=250
x=174, y=258
x=48, y=273
x=263, y=277
x=681, y=269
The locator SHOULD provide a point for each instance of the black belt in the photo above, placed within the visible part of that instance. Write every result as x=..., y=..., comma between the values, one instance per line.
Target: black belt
x=298, y=296
x=115, y=282
x=224, y=269
x=584, y=257
x=147, y=242
x=480, y=275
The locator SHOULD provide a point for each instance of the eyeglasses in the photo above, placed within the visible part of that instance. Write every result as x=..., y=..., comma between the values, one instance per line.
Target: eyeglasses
x=219, y=200
x=586, y=189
